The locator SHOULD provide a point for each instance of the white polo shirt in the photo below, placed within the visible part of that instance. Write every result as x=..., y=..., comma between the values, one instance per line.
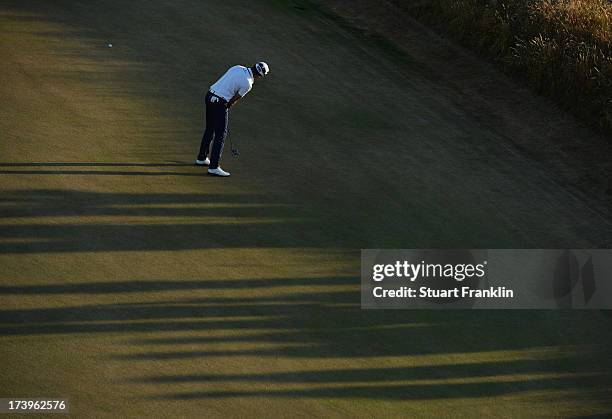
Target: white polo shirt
x=237, y=80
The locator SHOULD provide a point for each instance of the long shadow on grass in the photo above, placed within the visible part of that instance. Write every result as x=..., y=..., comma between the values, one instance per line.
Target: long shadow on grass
x=43, y=168
x=57, y=220
x=373, y=375
x=106, y=221
x=424, y=391
x=323, y=324
x=95, y=172
x=114, y=287
x=93, y=164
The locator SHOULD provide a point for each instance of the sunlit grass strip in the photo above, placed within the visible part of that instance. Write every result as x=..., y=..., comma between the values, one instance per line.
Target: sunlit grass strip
x=140, y=220
x=198, y=205
x=341, y=383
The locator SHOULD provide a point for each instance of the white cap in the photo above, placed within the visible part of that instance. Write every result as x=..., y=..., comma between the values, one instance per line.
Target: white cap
x=262, y=68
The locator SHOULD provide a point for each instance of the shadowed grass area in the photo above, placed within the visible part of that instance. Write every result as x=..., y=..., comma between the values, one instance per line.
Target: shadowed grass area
x=429, y=356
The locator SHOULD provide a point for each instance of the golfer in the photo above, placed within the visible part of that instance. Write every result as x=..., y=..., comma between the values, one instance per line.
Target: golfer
x=222, y=95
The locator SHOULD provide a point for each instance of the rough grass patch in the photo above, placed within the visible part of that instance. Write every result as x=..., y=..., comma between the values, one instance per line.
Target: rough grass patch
x=563, y=48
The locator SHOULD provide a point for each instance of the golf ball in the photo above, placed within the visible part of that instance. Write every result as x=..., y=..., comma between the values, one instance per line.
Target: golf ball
x=110, y=45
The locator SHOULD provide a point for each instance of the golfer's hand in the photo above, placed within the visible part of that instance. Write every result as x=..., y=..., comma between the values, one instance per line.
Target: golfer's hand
x=233, y=100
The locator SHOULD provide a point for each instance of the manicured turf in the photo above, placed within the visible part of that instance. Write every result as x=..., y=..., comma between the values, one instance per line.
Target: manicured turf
x=136, y=286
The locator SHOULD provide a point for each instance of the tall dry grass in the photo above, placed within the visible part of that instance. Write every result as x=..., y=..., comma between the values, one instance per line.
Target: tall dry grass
x=563, y=48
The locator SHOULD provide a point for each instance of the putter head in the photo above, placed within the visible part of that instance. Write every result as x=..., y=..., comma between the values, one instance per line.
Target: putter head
x=235, y=152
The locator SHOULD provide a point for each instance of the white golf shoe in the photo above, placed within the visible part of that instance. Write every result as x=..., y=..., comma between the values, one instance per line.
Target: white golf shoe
x=204, y=162
x=218, y=172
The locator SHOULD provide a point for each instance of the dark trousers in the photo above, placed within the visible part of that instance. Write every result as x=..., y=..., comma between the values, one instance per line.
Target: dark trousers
x=216, y=127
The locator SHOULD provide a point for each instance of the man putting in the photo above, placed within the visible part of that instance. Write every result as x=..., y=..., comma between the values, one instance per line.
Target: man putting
x=221, y=96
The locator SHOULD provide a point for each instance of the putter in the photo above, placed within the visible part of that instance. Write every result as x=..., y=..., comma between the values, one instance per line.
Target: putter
x=235, y=152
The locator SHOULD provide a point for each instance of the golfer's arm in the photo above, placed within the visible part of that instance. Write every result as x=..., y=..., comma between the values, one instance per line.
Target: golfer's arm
x=233, y=100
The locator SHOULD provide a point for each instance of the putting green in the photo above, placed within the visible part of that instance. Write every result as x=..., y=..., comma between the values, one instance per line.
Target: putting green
x=136, y=286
